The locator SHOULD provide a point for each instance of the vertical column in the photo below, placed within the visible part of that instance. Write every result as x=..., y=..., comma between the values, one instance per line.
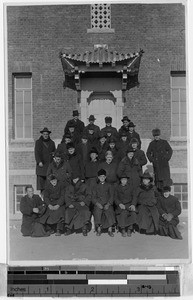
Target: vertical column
x=84, y=105
x=119, y=107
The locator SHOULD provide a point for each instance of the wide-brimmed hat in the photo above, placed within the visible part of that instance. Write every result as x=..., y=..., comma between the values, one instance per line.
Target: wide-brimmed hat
x=52, y=177
x=67, y=136
x=124, y=176
x=102, y=134
x=125, y=118
x=75, y=113
x=166, y=189
x=71, y=124
x=84, y=136
x=45, y=130
x=130, y=149
x=146, y=175
x=91, y=118
x=123, y=133
x=156, y=132
x=112, y=139
x=131, y=124
x=57, y=154
x=90, y=127
x=101, y=172
x=108, y=120
x=70, y=145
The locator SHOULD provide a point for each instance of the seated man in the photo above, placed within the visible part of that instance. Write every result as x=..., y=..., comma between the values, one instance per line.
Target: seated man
x=54, y=198
x=169, y=209
x=146, y=197
x=125, y=210
x=31, y=207
x=77, y=214
x=104, y=217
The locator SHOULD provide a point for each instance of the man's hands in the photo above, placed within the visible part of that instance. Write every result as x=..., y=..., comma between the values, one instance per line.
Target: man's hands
x=40, y=164
x=36, y=210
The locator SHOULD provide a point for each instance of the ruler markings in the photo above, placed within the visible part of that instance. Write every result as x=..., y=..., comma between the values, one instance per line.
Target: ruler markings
x=67, y=276
x=146, y=277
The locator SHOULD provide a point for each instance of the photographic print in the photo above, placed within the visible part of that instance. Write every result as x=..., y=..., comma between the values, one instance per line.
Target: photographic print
x=97, y=132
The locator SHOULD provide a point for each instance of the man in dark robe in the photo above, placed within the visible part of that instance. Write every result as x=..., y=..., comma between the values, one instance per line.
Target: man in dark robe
x=109, y=128
x=104, y=216
x=138, y=153
x=83, y=148
x=159, y=153
x=44, y=150
x=169, y=209
x=78, y=124
x=77, y=214
x=125, y=206
x=31, y=207
x=125, y=126
x=62, y=147
x=91, y=125
x=133, y=134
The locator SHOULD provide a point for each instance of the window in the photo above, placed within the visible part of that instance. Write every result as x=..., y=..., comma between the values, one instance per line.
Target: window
x=181, y=192
x=100, y=16
x=23, y=106
x=178, y=97
x=19, y=192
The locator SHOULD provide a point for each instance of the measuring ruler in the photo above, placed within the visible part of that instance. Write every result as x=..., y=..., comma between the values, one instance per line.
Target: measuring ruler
x=63, y=281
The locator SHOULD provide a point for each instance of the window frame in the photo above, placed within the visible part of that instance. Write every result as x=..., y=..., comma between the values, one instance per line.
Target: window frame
x=15, y=77
x=15, y=211
x=172, y=75
x=181, y=193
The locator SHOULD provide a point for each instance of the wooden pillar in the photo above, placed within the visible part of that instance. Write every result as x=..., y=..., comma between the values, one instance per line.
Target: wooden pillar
x=84, y=105
x=119, y=107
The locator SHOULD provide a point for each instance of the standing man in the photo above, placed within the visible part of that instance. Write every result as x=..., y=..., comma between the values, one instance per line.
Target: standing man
x=125, y=126
x=44, y=149
x=159, y=153
x=78, y=125
x=109, y=128
x=92, y=126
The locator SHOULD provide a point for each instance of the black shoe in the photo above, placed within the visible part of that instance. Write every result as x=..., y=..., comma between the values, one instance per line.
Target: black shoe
x=67, y=232
x=98, y=233
x=58, y=233
x=51, y=231
x=84, y=232
x=110, y=233
x=129, y=232
x=123, y=233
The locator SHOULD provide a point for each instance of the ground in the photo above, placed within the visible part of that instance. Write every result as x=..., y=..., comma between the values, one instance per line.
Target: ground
x=77, y=247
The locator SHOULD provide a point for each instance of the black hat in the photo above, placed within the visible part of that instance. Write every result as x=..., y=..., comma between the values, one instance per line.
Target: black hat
x=131, y=124
x=93, y=150
x=45, y=130
x=71, y=124
x=91, y=118
x=67, y=136
x=156, y=132
x=134, y=141
x=101, y=172
x=108, y=120
x=146, y=175
x=75, y=113
x=52, y=177
x=84, y=136
x=124, y=133
x=57, y=154
x=102, y=134
x=124, y=176
x=112, y=139
x=166, y=189
x=70, y=145
x=90, y=126
x=130, y=149
x=125, y=118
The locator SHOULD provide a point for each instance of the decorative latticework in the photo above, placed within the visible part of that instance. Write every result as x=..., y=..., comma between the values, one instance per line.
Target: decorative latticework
x=100, y=16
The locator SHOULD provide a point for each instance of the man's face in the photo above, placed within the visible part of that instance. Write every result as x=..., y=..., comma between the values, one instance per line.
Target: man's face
x=91, y=122
x=131, y=129
x=93, y=156
x=84, y=141
x=124, y=138
x=53, y=182
x=130, y=155
x=102, y=140
x=112, y=145
x=166, y=194
x=71, y=129
x=125, y=123
x=45, y=135
x=109, y=158
x=57, y=159
x=75, y=118
x=108, y=124
x=30, y=192
x=134, y=145
x=71, y=150
x=156, y=137
x=109, y=134
x=102, y=178
x=123, y=181
x=91, y=131
x=146, y=181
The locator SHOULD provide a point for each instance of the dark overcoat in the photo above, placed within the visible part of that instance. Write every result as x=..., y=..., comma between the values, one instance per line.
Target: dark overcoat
x=111, y=129
x=169, y=205
x=78, y=125
x=44, y=151
x=124, y=195
x=83, y=150
x=78, y=216
x=148, y=215
x=54, y=195
x=130, y=168
x=102, y=149
x=134, y=134
x=76, y=165
x=62, y=171
x=122, y=148
x=62, y=149
x=159, y=153
x=140, y=156
x=96, y=130
x=103, y=193
x=91, y=169
x=28, y=216
x=111, y=171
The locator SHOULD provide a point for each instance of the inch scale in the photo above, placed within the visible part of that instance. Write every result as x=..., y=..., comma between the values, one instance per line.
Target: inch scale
x=91, y=282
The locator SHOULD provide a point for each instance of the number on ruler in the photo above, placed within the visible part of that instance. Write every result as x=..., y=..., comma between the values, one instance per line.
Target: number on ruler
x=92, y=290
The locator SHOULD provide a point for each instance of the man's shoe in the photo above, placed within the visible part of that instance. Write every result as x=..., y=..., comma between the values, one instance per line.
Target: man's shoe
x=110, y=233
x=67, y=232
x=123, y=232
x=129, y=232
x=84, y=232
x=98, y=233
x=58, y=233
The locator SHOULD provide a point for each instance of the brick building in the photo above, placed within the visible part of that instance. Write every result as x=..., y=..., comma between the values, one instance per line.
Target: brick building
x=52, y=48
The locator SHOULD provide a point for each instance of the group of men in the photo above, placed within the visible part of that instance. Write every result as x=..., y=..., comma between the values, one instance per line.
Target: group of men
x=98, y=172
